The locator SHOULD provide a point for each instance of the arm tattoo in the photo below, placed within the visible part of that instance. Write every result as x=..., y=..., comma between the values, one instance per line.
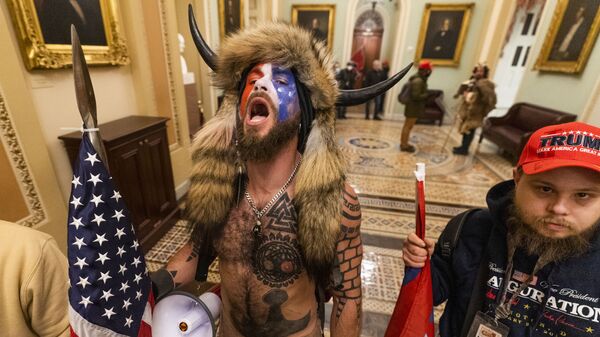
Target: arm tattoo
x=346, y=272
x=195, y=252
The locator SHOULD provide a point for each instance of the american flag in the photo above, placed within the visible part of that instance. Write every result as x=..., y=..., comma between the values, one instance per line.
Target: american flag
x=110, y=292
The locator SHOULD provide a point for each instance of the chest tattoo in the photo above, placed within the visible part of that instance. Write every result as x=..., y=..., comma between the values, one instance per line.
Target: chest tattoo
x=276, y=259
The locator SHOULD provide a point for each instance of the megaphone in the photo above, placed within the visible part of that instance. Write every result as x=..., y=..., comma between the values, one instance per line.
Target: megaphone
x=180, y=313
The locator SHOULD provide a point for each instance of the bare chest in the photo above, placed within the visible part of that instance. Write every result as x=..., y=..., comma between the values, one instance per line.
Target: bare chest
x=271, y=253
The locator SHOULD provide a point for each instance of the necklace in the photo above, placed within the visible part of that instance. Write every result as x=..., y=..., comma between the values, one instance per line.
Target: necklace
x=256, y=230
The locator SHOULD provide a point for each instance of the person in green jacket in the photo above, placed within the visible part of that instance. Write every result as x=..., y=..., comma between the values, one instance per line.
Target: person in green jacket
x=416, y=104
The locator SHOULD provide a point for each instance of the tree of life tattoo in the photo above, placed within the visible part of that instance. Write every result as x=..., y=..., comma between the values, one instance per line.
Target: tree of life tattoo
x=345, y=278
x=277, y=260
x=276, y=325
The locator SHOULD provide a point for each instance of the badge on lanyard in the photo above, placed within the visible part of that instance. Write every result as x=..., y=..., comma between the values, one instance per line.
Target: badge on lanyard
x=485, y=326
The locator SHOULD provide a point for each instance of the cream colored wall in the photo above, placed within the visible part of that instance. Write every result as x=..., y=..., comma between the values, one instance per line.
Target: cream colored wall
x=566, y=92
x=30, y=134
x=43, y=101
x=448, y=79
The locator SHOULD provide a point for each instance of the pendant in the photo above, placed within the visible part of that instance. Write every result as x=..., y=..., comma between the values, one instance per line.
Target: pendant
x=256, y=229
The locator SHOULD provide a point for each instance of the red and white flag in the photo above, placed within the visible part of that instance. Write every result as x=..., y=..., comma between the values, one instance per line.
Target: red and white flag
x=413, y=314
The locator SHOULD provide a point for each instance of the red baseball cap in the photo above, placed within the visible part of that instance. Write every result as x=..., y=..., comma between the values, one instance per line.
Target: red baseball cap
x=425, y=65
x=554, y=146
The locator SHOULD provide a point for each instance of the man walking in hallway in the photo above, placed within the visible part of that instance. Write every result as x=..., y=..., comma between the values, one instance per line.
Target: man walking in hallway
x=374, y=76
x=416, y=103
x=478, y=100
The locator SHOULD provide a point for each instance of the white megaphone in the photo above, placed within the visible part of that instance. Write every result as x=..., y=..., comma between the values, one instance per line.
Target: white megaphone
x=180, y=313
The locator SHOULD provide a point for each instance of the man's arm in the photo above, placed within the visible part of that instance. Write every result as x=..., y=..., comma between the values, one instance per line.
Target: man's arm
x=180, y=269
x=346, y=283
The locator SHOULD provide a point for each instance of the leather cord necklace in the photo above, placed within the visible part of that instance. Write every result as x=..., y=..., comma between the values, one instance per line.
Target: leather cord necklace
x=256, y=230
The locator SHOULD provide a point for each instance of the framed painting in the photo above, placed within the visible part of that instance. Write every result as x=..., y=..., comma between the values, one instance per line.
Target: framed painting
x=231, y=16
x=571, y=36
x=442, y=33
x=318, y=19
x=43, y=28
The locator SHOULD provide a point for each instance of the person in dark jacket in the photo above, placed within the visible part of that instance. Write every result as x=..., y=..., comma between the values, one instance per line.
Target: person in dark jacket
x=531, y=259
x=374, y=76
x=345, y=79
x=416, y=104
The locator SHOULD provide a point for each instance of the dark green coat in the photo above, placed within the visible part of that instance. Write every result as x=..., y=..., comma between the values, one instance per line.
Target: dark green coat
x=418, y=97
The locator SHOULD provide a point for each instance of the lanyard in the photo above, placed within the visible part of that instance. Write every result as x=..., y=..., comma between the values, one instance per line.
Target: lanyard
x=502, y=307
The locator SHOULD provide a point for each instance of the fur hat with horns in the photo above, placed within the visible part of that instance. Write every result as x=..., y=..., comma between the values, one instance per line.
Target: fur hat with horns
x=320, y=177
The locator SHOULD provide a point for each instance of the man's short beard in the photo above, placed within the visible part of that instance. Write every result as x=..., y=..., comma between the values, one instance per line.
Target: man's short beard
x=525, y=236
x=253, y=147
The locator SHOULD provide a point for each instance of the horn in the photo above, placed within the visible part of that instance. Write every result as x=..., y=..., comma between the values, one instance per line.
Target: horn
x=359, y=96
x=207, y=54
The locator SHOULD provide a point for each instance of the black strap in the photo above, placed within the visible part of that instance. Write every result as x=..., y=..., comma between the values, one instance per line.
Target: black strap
x=476, y=296
x=204, y=261
x=449, y=237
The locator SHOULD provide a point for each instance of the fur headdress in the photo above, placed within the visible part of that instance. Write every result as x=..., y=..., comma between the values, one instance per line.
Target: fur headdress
x=320, y=177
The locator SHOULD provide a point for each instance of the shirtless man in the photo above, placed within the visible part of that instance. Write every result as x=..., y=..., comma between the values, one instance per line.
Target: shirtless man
x=295, y=224
x=265, y=287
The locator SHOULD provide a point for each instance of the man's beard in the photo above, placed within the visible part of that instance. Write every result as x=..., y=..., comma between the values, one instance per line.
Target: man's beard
x=525, y=236
x=253, y=147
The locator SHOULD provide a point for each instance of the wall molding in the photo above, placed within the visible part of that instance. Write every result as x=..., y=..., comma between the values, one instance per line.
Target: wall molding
x=16, y=155
x=167, y=50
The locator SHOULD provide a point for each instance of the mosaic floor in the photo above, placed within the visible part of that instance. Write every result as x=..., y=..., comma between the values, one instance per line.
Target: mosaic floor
x=382, y=175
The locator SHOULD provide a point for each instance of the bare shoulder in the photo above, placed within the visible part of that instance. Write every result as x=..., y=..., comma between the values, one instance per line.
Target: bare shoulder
x=351, y=214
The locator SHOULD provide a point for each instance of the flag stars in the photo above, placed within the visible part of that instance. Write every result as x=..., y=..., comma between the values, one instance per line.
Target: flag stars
x=80, y=263
x=75, y=182
x=95, y=179
x=128, y=321
x=100, y=239
x=136, y=261
x=120, y=232
x=588, y=329
x=85, y=301
x=77, y=222
x=138, y=295
x=124, y=286
x=83, y=282
x=108, y=312
x=76, y=202
x=137, y=278
x=116, y=196
x=92, y=158
x=104, y=276
x=135, y=244
x=102, y=258
x=79, y=242
x=98, y=218
x=97, y=199
x=122, y=269
x=126, y=304
x=120, y=251
x=118, y=215
x=106, y=295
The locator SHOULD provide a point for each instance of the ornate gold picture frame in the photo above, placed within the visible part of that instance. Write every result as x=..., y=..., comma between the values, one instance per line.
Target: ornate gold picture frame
x=231, y=16
x=442, y=33
x=571, y=36
x=318, y=19
x=45, y=42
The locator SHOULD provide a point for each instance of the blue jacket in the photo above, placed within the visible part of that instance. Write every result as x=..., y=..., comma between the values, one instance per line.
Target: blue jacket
x=562, y=300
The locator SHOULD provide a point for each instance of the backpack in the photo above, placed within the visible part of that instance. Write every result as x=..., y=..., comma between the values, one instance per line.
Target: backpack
x=404, y=95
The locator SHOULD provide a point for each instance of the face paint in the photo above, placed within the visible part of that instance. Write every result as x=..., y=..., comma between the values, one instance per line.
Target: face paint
x=276, y=82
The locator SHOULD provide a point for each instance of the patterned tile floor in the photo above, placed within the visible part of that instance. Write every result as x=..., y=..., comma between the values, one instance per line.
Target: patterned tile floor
x=382, y=175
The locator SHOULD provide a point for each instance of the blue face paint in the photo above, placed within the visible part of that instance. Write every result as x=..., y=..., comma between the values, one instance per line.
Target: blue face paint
x=285, y=86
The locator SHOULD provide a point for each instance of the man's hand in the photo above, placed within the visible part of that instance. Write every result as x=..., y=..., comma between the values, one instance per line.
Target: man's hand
x=415, y=251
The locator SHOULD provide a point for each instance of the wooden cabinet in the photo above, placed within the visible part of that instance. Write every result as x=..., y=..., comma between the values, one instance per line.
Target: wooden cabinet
x=140, y=164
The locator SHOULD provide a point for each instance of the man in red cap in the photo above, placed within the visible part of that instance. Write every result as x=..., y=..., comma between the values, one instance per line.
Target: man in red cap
x=527, y=265
x=416, y=103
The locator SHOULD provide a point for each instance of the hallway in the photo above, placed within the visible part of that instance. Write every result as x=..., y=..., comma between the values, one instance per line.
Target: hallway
x=383, y=178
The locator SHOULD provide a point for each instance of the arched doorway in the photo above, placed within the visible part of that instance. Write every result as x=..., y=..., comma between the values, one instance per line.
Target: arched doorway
x=367, y=39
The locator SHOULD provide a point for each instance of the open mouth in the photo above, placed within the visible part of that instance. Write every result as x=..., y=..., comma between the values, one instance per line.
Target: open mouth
x=258, y=110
